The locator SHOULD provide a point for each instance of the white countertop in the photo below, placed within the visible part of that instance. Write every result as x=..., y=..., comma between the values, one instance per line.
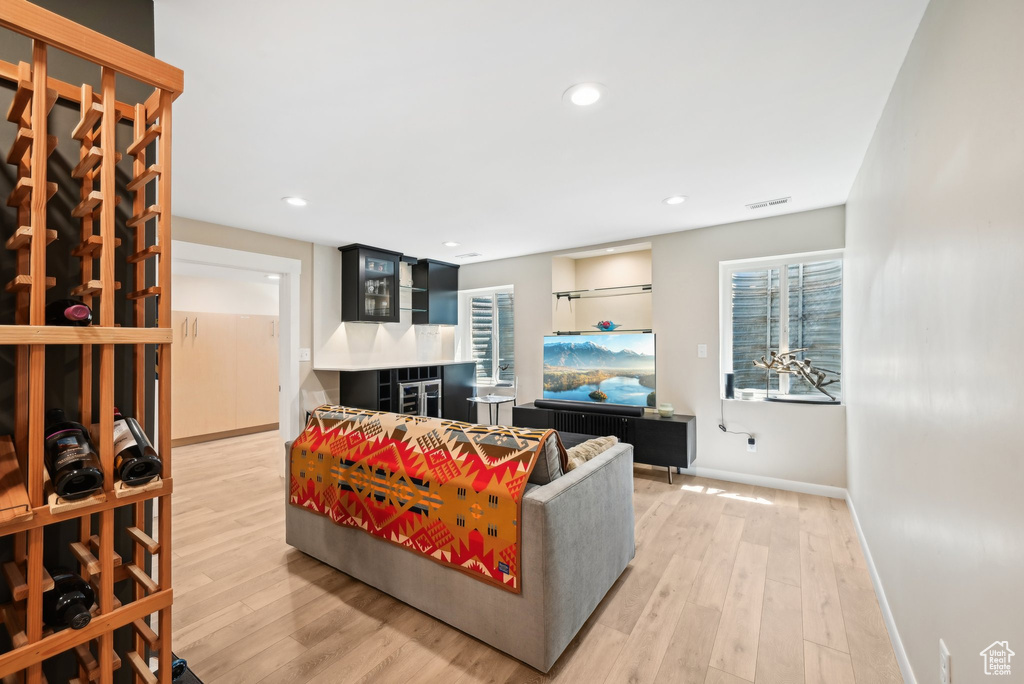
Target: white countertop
x=385, y=366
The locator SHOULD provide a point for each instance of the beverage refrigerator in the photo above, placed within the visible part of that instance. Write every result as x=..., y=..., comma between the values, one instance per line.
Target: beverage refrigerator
x=420, y=398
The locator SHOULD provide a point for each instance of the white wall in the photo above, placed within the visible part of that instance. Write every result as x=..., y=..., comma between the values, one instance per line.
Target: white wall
x=614, y=270
x=802, y=443
x=934, y=329
x=337, y=344
x=216, y=295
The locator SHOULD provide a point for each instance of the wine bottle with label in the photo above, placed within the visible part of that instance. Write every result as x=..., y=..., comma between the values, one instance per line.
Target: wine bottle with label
x=68, y=312
x=69, y=602
x=71, y=460
x=135, y=460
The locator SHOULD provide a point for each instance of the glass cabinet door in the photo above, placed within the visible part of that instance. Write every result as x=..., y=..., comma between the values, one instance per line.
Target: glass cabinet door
x=380, y=288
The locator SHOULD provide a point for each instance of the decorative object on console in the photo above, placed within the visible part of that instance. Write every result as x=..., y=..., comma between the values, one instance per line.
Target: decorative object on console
x=786, y=362
x=606, y=326
x=666, y=410
x=448, y=491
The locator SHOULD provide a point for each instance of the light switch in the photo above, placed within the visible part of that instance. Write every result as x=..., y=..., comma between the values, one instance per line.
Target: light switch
x=304, y=355
x=702, y=351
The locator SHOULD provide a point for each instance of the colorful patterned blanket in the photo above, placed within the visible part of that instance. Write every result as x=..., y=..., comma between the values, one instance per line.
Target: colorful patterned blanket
x=449, y=491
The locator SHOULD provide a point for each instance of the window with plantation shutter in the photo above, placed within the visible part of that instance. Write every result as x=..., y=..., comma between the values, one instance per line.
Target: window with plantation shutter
x=783, y=305
x=490, y=337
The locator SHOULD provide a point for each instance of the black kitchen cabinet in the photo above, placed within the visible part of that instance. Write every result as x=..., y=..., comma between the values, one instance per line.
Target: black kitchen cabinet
x=435, y=295
x=369, y=284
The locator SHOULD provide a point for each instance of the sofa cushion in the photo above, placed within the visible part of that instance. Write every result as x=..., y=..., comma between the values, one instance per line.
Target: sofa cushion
x=549, y=463
x=581, y=453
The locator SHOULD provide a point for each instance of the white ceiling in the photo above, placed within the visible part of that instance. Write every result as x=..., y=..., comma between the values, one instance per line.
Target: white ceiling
x=406, y=124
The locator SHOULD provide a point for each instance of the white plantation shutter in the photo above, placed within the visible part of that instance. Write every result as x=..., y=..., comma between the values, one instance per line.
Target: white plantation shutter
x=492, y=335
x=788, y=306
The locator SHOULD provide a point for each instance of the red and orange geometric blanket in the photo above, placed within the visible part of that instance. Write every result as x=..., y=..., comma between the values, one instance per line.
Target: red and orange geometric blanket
x=449, y=491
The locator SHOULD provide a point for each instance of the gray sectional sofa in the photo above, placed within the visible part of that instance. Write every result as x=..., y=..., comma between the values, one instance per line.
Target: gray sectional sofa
x=577, y=539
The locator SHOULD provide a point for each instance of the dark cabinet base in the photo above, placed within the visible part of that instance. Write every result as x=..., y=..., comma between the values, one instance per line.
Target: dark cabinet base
x=378, y=389
x=669, y=442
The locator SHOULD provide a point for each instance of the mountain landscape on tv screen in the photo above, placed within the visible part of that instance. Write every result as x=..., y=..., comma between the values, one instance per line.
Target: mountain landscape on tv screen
x=584, y=370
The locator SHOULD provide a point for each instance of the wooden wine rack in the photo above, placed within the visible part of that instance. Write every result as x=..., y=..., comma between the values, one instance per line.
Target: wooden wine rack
x=26, y=507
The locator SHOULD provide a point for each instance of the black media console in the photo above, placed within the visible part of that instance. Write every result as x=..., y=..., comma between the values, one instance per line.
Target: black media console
x=669, y=442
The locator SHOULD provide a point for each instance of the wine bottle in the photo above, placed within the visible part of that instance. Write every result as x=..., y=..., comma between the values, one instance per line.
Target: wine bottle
x=70, y=458
x=135, y=460
x=68, y=603
x=68, y=312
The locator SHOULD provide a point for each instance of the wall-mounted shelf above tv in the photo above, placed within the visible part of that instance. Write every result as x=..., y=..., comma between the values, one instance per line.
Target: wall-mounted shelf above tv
x=601, y=332
x=620, y=291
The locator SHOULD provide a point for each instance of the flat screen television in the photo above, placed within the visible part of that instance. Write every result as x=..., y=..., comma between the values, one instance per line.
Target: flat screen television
x=611, y=368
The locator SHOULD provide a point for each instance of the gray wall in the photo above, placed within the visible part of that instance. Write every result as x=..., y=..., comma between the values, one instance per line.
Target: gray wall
x=934, y=324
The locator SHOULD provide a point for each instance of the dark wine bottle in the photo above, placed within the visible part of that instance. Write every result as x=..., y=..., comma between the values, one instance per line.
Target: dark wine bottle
x=68, y=312
x=135, y=460
x=68, y=603
x=70, y=458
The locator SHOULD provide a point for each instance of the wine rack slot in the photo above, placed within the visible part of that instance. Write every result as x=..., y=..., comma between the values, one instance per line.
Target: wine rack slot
x=22, y=238
x=90, y=564
x=122, y=490
x=140, y=667
x=144, y=140
x=14, y=575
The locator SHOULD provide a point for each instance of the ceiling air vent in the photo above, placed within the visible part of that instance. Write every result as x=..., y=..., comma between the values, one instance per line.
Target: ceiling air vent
x=769, y=203
x=468, y=255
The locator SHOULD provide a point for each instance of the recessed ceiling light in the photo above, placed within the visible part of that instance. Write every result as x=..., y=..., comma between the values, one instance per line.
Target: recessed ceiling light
x=449, y=243
x=273, y=276
x=584, y=94
x=674, y=199
x=295, y=201
x=610, y=249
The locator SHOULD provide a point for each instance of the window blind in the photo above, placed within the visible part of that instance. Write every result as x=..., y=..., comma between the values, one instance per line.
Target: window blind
x=492, y=336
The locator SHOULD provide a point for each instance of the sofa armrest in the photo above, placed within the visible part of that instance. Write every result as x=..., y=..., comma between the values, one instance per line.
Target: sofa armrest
x=584, y=523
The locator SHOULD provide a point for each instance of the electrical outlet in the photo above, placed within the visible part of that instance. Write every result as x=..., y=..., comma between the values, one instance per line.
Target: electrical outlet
x=304, y=355
x=702, y=351
x=945, y=664
x=752, y=445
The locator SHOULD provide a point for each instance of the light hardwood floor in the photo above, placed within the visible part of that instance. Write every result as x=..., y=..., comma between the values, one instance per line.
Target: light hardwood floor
x=730, y=584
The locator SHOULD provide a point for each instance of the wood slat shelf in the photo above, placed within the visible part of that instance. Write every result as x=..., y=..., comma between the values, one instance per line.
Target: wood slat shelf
x=23, y=190
x=89, y=162
x=140, y=537
x=93, y=334
x=140, y=144
x=23, y=283
x=91, y=289
x=144, y=254
x=42, y=515
x=88, y=121
x=91, y=247
x=22, y=140
x=121, y=490
x=88, y=662
x=14, y=503
x=140, y=667
x=14, y=574
x=146, y=176
x=88, y=205
x=66, y=639
x=151, y=212
x=151, y=638
x=22, y=97
x=22, y=238
x=85, y=556
x=140, y=576
x=142, y=294
x=13, y=625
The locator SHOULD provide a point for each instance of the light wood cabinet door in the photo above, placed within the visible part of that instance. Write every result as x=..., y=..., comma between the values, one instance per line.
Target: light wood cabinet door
x=216, y=395
x=183, y=375
x=256, y=371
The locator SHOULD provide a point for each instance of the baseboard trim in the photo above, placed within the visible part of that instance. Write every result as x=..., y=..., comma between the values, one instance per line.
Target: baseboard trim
x=883, y=602
x=214, y=436
x=770, y=482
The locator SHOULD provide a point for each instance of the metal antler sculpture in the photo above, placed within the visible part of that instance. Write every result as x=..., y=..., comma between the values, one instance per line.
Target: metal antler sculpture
x=786, y=362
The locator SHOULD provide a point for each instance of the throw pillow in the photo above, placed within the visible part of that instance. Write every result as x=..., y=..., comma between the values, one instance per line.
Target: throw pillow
x=549, y=462
x=581, y=453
